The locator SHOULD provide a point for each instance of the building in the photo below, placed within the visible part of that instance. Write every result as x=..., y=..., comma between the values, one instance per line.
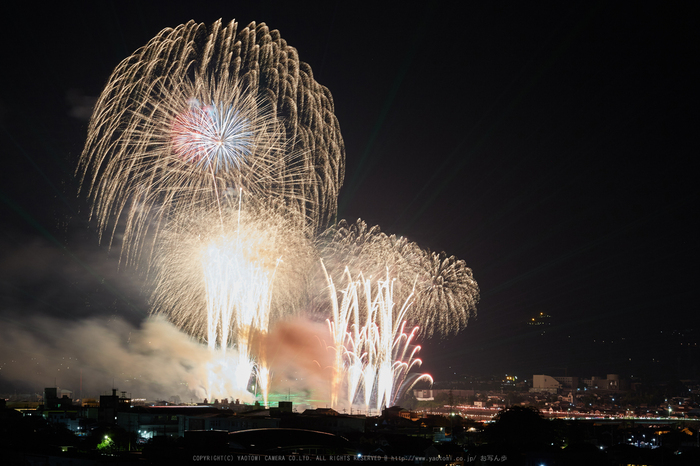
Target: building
x=568, y=382
x=549, y=384
x=610, y=382
x=52, y=401
x=110, y=405
x=545, y=383
x=155, y=421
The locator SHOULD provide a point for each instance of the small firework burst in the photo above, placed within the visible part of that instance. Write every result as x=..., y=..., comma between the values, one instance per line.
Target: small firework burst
x=214, y=137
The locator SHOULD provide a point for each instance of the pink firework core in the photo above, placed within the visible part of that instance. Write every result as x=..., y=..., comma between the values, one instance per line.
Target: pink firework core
x=189, y=136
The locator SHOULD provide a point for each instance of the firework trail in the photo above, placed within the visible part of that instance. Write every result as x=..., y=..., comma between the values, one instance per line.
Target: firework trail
x=199, y=110
x=442, y=288
x=225, y=276
x=374, y=354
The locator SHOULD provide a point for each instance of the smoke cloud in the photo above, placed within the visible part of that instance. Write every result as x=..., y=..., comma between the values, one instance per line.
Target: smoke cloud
x=155, y=361
x=301, y=359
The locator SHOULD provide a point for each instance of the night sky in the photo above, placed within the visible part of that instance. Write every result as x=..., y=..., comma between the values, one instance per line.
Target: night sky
x=550, y=146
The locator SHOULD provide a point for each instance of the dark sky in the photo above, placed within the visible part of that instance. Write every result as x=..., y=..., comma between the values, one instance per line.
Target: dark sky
x=549, y=145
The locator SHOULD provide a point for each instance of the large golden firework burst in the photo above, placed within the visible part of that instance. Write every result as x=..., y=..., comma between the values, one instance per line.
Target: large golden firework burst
x=200, y=110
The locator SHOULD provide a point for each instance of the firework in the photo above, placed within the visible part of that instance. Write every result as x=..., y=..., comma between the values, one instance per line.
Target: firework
x=442, y=288
x=360, y=247
x=446, y=294
x=373, y=354
x=215, y=137
x=225, y=275
x=223, y=157
x=200, y=110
